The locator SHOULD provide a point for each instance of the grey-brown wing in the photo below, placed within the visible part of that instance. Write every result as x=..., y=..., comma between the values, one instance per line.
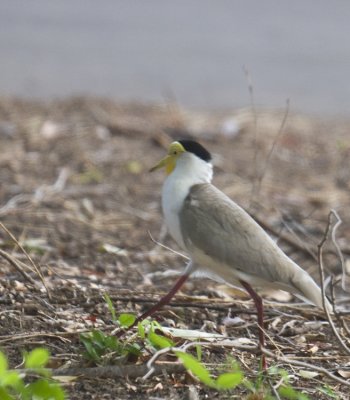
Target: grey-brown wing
x=221, y=229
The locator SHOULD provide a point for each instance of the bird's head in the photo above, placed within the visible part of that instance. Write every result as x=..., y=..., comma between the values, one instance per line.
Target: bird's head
x=177, y=150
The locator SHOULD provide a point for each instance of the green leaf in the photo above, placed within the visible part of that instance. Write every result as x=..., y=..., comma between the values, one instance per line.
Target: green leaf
x=112, y=343
x=110, y=306
x=133, y=349
x=199, y=352
x=159, y=342
x=44, y=390
x=4, y=395
x=10, y=378
x=302, y=396
x=328, y=391
x=141, y=330
x=289, y=393
x=98, y=337
x=91, y=353
x=197, y=369
x=126, y=320
x=37, y=358
x=283, y=373
x=3, y=364
x=248, y=384
x=229, y=380
x=97, y=345
x=155, y=325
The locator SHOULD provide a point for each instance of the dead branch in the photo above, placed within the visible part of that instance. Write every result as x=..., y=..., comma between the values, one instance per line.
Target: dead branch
x=134, y=371
x=339, y=315
x=297, y=244
x=345, y=277
x=312, y=367
x=119, y=371
x=17, y=266
x=200, y=304
x=321, y=270
x=255, y=142
x=260, y=177
x=35, y=267
x=57, y=335
x=26, y=200
x=166, y=247
x=151, y=367
x=275, y=387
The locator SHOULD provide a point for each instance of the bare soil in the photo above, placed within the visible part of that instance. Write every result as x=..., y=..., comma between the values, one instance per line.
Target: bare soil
x=74, y=178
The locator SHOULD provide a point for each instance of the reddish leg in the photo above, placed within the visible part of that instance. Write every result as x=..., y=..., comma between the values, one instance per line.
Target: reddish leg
x=163, y=301
x=260, y=311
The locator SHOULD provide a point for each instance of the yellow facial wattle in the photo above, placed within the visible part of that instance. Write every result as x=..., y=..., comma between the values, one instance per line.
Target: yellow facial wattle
x=169, y=162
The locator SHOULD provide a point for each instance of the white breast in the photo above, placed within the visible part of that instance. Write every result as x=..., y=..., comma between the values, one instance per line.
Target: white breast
x=173, y=195
x=189, y=171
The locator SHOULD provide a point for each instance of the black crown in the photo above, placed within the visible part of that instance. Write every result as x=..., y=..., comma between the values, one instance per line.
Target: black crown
x=196, y=148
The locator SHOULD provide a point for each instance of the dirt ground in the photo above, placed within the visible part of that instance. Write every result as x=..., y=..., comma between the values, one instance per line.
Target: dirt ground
x=76, y=194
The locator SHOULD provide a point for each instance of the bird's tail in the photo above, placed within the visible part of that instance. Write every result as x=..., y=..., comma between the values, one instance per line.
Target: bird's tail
x=309, y=290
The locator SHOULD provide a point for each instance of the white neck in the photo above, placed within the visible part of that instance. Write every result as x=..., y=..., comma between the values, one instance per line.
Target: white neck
x=190, y=170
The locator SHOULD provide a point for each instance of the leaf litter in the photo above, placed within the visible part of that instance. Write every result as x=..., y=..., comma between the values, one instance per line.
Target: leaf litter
x=76, y=194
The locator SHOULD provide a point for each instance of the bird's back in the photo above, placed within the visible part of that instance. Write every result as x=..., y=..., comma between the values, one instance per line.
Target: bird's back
x=225, y=239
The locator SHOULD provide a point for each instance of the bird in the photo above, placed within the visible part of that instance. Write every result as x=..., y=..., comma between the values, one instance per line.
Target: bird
x=220, y=237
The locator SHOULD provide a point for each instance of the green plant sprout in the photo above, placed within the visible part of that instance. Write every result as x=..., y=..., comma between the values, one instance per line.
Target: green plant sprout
x=14, y=387
x=101, y=348
x=111, y=307
x=225, y=381
x=104, y=349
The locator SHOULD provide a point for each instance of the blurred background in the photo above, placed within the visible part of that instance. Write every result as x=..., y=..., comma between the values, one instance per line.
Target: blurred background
x=192, y=50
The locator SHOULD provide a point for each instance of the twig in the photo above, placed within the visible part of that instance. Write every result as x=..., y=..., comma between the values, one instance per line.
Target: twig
x=166, y=247
x=36, y=268
x=145, y=371
x=58, y=335
x=119, y=371
x=12, y=203
x=305, y=365
x=185, y=347
x=337, y=248
x=258, y=177
x=345, y=326
x=268, y=158
x=144, y=216
x=321, y=270
x=339, y=316
x=299, y=245
x=298, y=238
x=274, y=388
x=40, y=193
x=255, y=143
x=153, y=359
x=17, y=266
x=198, y=303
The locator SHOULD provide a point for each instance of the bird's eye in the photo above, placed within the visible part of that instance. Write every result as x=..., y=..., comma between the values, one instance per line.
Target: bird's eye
x=174, y=152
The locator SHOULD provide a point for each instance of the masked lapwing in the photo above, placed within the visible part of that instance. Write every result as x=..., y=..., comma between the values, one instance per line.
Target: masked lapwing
x=221, y=238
